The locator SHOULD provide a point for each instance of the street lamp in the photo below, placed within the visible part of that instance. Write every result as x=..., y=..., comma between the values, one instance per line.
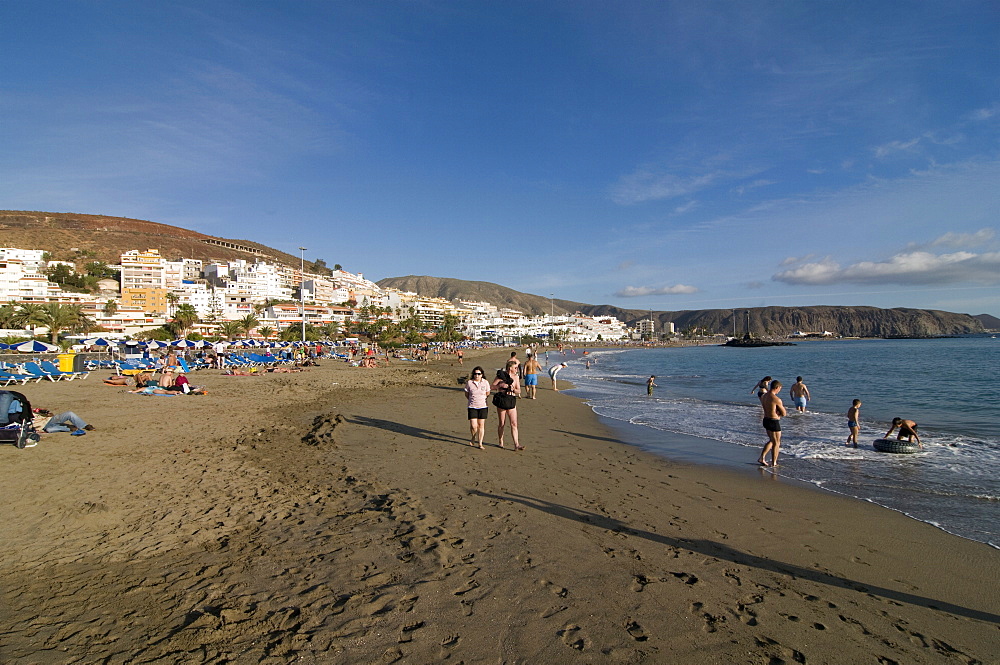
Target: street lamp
x=552, y=307
x=302, y=292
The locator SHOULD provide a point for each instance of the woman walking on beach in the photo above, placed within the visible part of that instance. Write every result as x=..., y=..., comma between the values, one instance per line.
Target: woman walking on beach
x=476, y=390
x=507, y=389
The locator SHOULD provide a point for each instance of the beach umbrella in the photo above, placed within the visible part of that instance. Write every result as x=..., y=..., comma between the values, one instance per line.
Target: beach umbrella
x=34, y=346
x=184, y=343
x=4, y=346
x=155, y=344
x=97, y=341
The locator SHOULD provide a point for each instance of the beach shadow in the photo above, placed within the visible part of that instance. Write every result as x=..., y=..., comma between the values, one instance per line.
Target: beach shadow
x=588, y=436
x=718, y=550
x=407, y=430
x=448, y=388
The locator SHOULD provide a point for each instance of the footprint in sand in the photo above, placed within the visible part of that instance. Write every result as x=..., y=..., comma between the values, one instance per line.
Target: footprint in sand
x=636, y=631
x=571, y=637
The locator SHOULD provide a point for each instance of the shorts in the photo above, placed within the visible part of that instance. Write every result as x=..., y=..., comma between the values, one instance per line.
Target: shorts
x=478, y=414
x=772, y=424
x=852, y=424
x=531, y=379
x=800, y=401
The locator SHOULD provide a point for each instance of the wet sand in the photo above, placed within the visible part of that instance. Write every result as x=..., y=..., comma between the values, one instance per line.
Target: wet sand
x=340, y=516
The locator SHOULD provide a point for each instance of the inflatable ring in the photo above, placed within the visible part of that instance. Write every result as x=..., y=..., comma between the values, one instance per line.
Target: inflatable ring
x=895, y=446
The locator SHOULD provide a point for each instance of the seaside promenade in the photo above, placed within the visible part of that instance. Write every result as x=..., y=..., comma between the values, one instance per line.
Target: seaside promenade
x=339, y=516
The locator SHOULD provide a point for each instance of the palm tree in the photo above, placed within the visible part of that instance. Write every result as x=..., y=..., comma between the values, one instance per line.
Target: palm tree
x=330, y=330
x=230, y=329
x=172, y=300
x=249, y=322
x=185, y=316
x=265, y=331
x=58, y=317
x=8, y=315
x=110, y=308
x=28, y=316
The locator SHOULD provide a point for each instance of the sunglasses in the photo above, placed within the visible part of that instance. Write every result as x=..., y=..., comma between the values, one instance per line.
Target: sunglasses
x=477, y=374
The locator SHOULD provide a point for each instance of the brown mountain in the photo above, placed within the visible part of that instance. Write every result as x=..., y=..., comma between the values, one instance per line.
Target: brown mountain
x=989, y=322
x=501, y=296
x=104, y=238
x=763, y=321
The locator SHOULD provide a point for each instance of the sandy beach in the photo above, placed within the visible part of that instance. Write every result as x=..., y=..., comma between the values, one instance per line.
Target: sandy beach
x=339, y=516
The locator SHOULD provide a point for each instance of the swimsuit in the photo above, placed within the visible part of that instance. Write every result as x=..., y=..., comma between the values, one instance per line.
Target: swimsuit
x=852, y=423
x=800, y=401
x=531, y=379
x=772, y=424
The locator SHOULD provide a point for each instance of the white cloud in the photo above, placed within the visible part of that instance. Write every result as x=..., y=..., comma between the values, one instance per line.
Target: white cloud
x=904, y=268
x=986, y=113
x=977, y=239
x=791, y=260
x=743, y=189
x=636, y=291
x=645, y=185
x=685, y=207
x=887, y=149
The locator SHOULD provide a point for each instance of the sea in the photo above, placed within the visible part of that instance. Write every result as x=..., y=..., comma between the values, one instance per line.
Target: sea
x=705, y=400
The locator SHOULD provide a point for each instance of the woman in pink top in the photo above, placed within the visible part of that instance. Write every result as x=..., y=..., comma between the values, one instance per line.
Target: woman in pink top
x=477, y=388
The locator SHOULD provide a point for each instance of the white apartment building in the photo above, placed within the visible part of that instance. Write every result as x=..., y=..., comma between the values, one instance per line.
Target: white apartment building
x=258, y=281
x=143, y=270
x=31, y=258
x=177, y=272
x=19, y=282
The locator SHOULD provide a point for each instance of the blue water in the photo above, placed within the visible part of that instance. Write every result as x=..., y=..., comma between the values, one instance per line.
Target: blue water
x=948, y=386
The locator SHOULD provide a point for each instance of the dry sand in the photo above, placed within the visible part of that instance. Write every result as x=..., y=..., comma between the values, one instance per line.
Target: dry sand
x=339, y=516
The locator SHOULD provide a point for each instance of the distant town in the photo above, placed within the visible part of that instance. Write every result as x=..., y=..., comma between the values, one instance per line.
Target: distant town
x=147, y=294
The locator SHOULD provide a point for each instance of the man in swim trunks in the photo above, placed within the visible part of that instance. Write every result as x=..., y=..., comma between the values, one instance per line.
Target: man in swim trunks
x=854, y=422
x=800, y=395
x=774, y=410
x=531, y=368
x=907, y=428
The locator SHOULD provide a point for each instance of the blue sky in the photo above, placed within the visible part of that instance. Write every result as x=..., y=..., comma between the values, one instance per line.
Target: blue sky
x=665, y=155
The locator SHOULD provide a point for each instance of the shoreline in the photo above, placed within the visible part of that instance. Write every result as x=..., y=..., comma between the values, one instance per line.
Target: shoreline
x=222, y=534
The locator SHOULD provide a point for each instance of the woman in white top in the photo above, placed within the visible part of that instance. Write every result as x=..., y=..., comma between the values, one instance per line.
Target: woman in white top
x=477, y=388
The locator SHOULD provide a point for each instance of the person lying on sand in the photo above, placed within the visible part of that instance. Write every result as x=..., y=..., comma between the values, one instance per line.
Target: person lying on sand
x=67, y=421
x=153, y=390
x=233, y=371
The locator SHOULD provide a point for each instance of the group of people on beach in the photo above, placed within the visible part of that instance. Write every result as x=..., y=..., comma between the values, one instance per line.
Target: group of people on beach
x=767, y=390
x=506, y=389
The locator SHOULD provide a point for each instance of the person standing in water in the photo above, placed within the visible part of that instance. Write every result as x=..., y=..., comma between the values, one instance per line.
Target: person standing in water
x=650, y=384
x=854, y=422
x=774, y=411
x=800, y=395
x=762, y=387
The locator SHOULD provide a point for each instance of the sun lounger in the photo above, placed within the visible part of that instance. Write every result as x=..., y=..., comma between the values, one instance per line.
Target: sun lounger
x=50, y=367
x=35, y=370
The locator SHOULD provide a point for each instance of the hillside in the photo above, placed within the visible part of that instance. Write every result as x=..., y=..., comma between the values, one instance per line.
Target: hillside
x=105, y=238
x=989, y=322
x=501, y=296
x=776, y=321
